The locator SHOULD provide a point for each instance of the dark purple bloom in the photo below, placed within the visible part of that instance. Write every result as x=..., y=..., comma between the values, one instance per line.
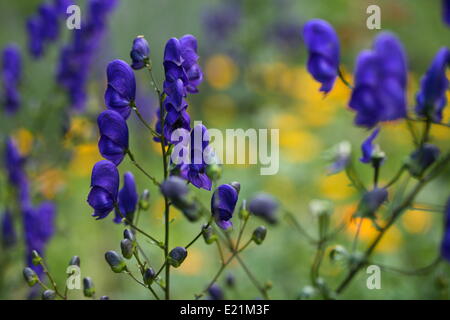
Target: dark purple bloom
x=174, y=188
x=128, y=197
x=121, y=91
x=380, y=83
x=140, y=53
x=172, y=51
x=113, y=143
x=368, y=148
x=35, y=36
x=323, y=48
x=422, y=158
x=371, y=202
x=265, y=206
x=61, y=6
x=223, y=203
x=445, y=244
x=14, y=162
x=104, y=188
x=8, y=232
x=431, y=98
x=190, y=57
x=48, y=15
x=12, y=65
x=12, y=99
x=215, y=292
x=446, y=11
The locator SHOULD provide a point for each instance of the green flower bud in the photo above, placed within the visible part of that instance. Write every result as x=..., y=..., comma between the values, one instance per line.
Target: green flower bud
x=115, y=261
x=75, y=261
x=36, y=258
x=177, y=256
x=144, y=203
x=322, y=209
x=338, y=253
x=149, y=276
x=259, y=235
x=214, y=171
x=48, y=295
x=208, y=234
x=244, y=214
x=308, y=292
x=88, y=287
x=30, y=276
x=127, y=246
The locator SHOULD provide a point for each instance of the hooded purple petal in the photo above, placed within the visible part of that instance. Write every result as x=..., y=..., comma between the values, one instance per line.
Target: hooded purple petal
x=128, y=196
x=113, y=143
x=121, y=91
x=368, y=148
x=223, y=203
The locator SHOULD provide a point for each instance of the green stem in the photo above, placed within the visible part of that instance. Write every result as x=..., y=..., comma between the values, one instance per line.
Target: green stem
x=131, y=156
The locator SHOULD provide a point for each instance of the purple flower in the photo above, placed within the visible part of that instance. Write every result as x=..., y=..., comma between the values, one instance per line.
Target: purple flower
x=48, y=15
x=340, y=155
x=8, y=232
x=323, y=48
x=128, y=197
x=121, y=91
x=368, y=148
x=35, y=36
x=61, y=6
x=14, y=162
x=104, y=188
x=12, y=65
x=380, y=83
x=223, y=203
x=431, y=98
x=371, y=202
x=140, y=53
x=422, y=158
x=215, y=292
x=113, y=143
x=445, y=244
x=446, y=11
x=265, y=206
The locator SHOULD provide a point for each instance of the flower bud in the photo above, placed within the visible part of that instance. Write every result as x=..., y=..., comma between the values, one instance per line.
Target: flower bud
x=421, y=159
x=308, y=292
x=127, y=246
x=371, y=202
x=230, y=280
x=104, y=298
x=115, y=261
x=208, y=234
x=30, y=276
x=128, y=234
x=338, y=253
x=149, y=276
x=264, y=206
x=215, y=292
x=88, y=287
x=48, y=295
x=243, y=212
x=140, y=53
x=322, y=209
x=259, y=235
x=74, y=261
x=36, y=259
x=214, y=171
x=177, y=191
x=144, y=199
x=236, y=185
x=177, y=256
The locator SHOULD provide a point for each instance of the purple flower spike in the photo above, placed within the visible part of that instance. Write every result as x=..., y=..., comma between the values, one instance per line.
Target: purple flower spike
x=431, y=98
x=35, y=36
x=49, y=19
x=140, y=53
x=323, y=48
x=223, y=203
x=121, y=91
x=380, y=83
x=12, y=65
x=445, y=244
x=128, y=197
x=104, y=188
x=113, y=143
x=368, y=147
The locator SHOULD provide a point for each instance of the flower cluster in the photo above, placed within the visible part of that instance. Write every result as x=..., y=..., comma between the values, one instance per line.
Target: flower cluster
x=76, y=57
x=11, y=76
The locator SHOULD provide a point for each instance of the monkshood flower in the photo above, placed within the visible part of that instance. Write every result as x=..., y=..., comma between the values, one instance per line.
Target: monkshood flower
x=380, y=83
x=12, y=100
x=370, y=151
x=223, y=203
x=113, y=143
x=104, y=188
x=140, y=53
x=195, y=172
x=431, y=99
x=215, y=292
x=128, y=198
x=175, y=119
x=177, y=256
x=35, y=36
x=121, y=91
x=422, y=158
x=323, y=49
x=12, y=65
x=49, y=18
x=115, y=261
x=8, y=232
x=371, y=202
x=445, y=244
x=446, y=11
x=265, y=206
x=14, y=163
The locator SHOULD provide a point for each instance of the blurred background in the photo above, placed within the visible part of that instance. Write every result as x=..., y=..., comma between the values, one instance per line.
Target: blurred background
x=253, y=60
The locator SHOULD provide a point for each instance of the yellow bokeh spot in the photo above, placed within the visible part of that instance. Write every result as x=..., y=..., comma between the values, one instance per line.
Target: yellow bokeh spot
x=50, y=182
x=24, y=140
x=194, y=262
x=416, y=221
x=220, y=71
x=299, y=145
x=80, y=129
x=84, y=158
x=336, y=186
